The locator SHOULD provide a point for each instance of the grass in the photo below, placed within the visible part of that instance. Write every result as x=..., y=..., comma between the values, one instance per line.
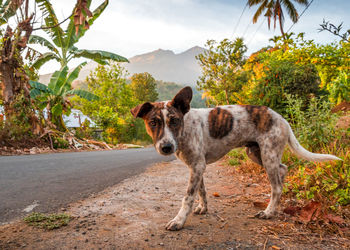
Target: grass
x=47, y=221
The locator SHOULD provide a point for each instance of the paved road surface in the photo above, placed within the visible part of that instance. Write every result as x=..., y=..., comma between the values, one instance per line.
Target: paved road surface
x=50, y=181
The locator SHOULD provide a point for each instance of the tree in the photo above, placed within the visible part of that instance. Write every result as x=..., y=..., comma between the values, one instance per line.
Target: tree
x=55, y=95
x=13, y=79
x=112, y=111
x=222, y=76
x=144, y=87
x=274, y=9
x=62, y=47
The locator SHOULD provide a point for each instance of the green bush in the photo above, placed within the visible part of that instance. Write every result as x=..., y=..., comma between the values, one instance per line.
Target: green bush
x=313, y=126
x=282, y=77
x=315, y=129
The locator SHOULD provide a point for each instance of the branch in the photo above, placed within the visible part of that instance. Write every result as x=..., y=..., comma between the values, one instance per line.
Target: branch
x=334, y=30
x=50, y=27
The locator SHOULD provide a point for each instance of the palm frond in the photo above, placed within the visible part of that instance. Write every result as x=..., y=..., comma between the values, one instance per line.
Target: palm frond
x=291, y=10
x=259, y=11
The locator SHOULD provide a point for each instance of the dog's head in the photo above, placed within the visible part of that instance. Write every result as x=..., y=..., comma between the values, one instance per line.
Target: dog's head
x=165, y=120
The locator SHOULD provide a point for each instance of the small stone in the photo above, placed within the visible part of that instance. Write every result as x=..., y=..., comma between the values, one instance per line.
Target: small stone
x=83, y=232
x=161, y=244
x=86, y=240
x=146, y=239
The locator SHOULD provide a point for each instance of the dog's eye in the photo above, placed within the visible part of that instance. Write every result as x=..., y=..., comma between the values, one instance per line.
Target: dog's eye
x=152, y=123
x=174, y=121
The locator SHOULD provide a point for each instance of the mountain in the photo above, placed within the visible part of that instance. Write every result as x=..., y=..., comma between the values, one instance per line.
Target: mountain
x=162, y=64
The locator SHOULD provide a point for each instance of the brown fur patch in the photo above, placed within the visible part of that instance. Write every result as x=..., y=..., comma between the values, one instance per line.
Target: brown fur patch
x=260, y=116
x=155, y=115
x=220, y=122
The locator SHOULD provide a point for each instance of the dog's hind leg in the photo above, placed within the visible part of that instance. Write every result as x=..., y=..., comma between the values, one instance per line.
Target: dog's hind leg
x=196, y=175
x=271, y=157
x=202, y=207
x=253, y=152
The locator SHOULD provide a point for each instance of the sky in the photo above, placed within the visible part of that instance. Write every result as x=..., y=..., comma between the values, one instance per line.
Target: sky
x=133, y=27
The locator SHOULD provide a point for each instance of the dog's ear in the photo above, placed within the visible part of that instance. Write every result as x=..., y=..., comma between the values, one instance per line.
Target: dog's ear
x=141, y=110
x=182, y=100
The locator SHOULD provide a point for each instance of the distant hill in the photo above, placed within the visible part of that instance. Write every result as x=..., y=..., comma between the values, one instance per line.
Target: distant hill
x=162, y=64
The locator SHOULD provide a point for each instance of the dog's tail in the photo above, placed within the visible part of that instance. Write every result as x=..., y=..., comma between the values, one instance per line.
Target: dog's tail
x=298, y=150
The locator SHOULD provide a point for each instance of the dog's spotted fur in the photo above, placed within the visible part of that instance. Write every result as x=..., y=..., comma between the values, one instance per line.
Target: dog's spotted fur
x=202, y=136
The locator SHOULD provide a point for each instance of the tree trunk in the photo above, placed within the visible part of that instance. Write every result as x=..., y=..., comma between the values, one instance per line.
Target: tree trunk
x=281, y=27
x=13, y=78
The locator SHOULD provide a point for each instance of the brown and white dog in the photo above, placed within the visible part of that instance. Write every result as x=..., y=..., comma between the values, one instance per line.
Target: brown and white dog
x=202, y=136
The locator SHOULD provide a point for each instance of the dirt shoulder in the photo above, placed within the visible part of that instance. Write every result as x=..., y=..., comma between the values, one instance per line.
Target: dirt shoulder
x=133, y=214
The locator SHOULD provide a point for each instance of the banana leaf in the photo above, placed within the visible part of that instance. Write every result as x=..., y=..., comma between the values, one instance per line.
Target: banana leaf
x=71, y=36
x=99, y=55
x=83, y=94
x=55, y=31
x=34, y=39
x=44, y=58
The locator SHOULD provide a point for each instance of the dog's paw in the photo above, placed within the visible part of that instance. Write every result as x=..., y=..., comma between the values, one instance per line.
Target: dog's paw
x=174, y=225
x=264, y=215
x=200, y=210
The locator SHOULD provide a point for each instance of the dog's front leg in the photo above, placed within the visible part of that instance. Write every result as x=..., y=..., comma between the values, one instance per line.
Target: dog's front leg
x=202, y=207
x=196, y=176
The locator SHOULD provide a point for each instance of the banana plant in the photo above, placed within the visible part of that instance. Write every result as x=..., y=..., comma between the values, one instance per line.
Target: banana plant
x=61, y=47
x=55, y=95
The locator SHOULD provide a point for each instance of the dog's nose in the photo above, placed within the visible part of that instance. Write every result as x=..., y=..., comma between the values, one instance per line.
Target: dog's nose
x=167, y=148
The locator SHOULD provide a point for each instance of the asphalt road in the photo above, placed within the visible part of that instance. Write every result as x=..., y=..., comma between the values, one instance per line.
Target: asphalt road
x=47, y=182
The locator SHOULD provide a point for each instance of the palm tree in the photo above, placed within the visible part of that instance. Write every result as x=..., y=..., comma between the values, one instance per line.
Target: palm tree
x=62, y=47
x=273, y=9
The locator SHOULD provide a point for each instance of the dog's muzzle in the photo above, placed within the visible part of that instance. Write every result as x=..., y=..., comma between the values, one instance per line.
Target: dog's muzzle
x=167, y=148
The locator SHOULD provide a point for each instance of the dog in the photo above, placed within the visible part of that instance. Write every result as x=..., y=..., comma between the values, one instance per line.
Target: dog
x=202, y=136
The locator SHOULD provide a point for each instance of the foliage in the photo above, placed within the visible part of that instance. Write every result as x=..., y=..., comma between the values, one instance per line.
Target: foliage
x=144, y=87
x=62, y=47
x=55, y=96
x=222, y=76
x=47, y=221
x=325, y=182
x=315, y=129
x=112, y=111
x=167, y=90
x=283, y=77
x=340, y=88
x=17, y=127
x=315, y=126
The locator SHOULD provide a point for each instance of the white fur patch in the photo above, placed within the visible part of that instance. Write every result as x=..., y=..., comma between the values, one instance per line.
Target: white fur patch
x=168, y=136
